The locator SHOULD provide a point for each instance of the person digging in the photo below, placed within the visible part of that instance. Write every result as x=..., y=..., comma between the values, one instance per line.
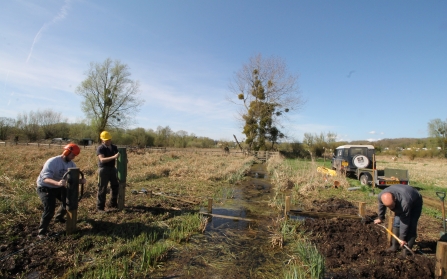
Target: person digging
x=51, y=186
x=406, y=202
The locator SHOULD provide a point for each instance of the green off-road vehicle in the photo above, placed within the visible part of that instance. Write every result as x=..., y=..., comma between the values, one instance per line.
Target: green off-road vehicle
x=358, y=161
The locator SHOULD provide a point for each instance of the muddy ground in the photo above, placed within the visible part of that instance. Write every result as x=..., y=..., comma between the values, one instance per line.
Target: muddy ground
x=356, y=249
x=230, y=249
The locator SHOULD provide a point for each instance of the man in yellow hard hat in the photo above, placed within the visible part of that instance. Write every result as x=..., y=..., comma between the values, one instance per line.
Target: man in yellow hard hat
x=107, y=154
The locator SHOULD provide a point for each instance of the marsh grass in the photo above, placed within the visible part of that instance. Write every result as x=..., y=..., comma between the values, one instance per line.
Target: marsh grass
x=112, y=245
x=309, y=263
x=183, y=227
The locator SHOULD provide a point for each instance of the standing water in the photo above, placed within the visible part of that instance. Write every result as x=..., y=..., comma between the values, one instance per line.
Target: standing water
x=235, y=248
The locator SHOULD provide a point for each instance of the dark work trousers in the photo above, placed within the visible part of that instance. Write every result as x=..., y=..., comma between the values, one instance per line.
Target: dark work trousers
x=48, y=197
x=415, y=213
x=106, y=175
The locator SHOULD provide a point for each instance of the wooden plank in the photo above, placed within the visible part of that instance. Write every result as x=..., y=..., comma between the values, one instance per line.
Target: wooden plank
x=227, y=217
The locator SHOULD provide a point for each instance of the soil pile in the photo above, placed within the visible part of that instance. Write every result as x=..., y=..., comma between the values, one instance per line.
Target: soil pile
x=357, y=249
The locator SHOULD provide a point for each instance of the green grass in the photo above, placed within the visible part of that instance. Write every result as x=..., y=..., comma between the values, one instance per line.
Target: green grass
x=308, y=263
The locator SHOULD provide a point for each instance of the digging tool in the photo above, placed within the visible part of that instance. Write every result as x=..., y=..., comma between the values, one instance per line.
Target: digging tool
x=398, y=239
x=441, y=196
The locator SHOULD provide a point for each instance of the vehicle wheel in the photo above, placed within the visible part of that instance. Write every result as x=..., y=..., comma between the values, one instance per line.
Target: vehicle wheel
x=360, y=161
x=364, y=179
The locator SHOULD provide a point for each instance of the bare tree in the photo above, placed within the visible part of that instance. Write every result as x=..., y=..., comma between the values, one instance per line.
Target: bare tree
x=48, y=121
x=163, y=136
x=29, y=125
x=438, y=130
x=265, y=91
x=316, y=144
x=110, y=96
x=6, y=125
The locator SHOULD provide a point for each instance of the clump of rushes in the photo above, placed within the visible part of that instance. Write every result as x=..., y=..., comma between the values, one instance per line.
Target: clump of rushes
x=308, y=263
x=183, y=227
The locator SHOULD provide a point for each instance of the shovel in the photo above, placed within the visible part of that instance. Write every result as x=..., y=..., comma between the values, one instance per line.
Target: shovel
x=398, y=239
x=441, y=196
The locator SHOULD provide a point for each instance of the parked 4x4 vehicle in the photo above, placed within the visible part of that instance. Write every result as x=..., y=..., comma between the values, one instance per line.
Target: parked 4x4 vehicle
x=358, y=160
x=349, y=158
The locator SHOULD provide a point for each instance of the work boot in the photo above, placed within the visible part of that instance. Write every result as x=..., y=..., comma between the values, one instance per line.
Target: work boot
x=394, y=243
x=112, y=204
x=410, y=244
x=60, y=214
x=43, y=227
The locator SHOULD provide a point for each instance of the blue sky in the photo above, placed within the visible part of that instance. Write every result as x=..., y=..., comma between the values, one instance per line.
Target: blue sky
x=368, y=69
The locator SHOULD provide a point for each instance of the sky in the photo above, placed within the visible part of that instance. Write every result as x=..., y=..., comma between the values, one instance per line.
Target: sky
x=368, y=70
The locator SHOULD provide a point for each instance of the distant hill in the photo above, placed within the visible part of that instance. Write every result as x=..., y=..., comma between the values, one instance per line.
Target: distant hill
x=401, y=142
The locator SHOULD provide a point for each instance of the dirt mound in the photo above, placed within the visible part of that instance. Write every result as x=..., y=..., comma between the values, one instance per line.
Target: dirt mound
x=355, y=249
x=334, y=205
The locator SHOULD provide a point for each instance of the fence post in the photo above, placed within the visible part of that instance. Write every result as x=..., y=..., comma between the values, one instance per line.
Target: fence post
x=362, y=209
x=210, y=205
x=441, y=264
x=287, y=207
x=122, y=175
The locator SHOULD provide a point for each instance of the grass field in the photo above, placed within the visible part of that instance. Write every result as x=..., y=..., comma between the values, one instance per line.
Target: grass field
x=135, y=242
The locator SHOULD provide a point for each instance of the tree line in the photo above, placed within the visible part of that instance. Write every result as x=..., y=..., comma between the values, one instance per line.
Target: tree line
x=46, y=125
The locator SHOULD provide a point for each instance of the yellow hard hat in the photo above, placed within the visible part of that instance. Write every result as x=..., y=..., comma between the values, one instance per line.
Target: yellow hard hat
x=105, y=136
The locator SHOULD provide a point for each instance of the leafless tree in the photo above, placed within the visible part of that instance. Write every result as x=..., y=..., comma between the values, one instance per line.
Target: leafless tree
x=264, y=84
x=48, y=121
x=6, y=125
x=29, y=125
x=110, y=96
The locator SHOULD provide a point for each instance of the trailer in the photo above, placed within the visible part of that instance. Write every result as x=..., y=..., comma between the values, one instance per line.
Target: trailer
x=359, y=161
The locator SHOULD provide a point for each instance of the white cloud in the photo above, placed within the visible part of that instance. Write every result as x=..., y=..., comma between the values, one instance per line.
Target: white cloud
x=61, y=15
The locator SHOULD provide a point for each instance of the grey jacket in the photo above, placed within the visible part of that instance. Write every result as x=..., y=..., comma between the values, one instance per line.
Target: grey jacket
x=406, y=197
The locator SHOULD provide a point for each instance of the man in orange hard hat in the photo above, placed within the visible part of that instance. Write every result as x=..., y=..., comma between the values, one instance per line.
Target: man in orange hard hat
x=51, y=186
x=406, y=203
x=107, y=154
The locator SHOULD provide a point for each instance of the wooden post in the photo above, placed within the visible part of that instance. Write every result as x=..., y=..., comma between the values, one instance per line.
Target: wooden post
x=287, y=207
x=72, y=193
x=210, y=205
x=362, y=209
x=150, y=194
x=374, y=174
x=390, y=226
x=122, y=175
x=441, y=260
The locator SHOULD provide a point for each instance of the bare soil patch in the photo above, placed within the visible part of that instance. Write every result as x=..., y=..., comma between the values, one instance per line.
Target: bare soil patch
x=356, y=249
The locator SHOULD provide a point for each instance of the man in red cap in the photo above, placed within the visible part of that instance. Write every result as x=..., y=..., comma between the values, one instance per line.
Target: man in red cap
x=51, y=186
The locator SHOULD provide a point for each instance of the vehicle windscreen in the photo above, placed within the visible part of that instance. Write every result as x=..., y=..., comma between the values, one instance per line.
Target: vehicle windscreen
x=358, y=151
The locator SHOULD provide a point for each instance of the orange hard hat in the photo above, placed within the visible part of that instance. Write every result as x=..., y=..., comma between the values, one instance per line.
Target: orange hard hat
x=71, y=148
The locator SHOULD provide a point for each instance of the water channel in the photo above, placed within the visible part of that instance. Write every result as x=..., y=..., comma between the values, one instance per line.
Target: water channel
x=236, y=248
